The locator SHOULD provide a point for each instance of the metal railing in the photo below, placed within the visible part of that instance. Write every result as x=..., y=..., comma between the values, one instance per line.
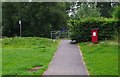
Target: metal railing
x=60, y=34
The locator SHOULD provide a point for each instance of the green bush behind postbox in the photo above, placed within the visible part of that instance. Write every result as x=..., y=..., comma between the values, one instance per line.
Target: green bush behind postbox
x=81, y=29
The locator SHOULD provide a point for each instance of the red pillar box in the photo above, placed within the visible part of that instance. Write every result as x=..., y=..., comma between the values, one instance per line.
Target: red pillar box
x=95, y=35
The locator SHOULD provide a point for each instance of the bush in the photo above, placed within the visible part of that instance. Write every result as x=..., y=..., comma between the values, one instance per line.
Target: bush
x=81, y=29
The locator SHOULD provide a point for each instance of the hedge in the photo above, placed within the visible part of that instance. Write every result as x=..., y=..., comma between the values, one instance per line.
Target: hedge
x=81, y=29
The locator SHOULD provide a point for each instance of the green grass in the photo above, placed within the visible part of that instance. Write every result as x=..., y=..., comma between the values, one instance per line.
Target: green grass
x=0, y=57
x=101, y=58
x=21, y=54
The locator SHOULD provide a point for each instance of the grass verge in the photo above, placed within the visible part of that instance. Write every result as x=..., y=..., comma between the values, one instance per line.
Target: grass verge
x=101, y=58
x=21, y=54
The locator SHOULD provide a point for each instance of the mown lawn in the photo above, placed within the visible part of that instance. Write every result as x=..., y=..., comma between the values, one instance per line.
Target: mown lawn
x=19, y=55
x=0, y=57
x=101, y=58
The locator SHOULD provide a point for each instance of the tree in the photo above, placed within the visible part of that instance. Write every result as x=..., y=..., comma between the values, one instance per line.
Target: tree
x=116, y=12
x=106, y=8
x=87, y=10
x=8, y=13
x=38, y=19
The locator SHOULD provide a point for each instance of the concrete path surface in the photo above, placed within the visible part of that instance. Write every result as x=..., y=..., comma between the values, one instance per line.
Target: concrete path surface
x=67, y=61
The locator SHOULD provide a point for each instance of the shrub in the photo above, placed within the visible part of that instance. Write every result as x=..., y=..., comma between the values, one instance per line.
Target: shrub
x=81, y=29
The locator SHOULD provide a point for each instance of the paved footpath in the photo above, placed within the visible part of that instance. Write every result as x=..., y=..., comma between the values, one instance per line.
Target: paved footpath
x=67, y=61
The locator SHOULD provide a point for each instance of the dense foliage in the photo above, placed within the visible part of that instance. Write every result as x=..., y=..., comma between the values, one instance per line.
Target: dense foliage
x=38, y=19
x=116, y=12
x=87, y=10
x=81, y=29
x=92, y=9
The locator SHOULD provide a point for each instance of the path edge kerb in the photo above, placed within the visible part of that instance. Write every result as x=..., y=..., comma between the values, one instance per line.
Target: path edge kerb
x=83, y=59
x=52, y=58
